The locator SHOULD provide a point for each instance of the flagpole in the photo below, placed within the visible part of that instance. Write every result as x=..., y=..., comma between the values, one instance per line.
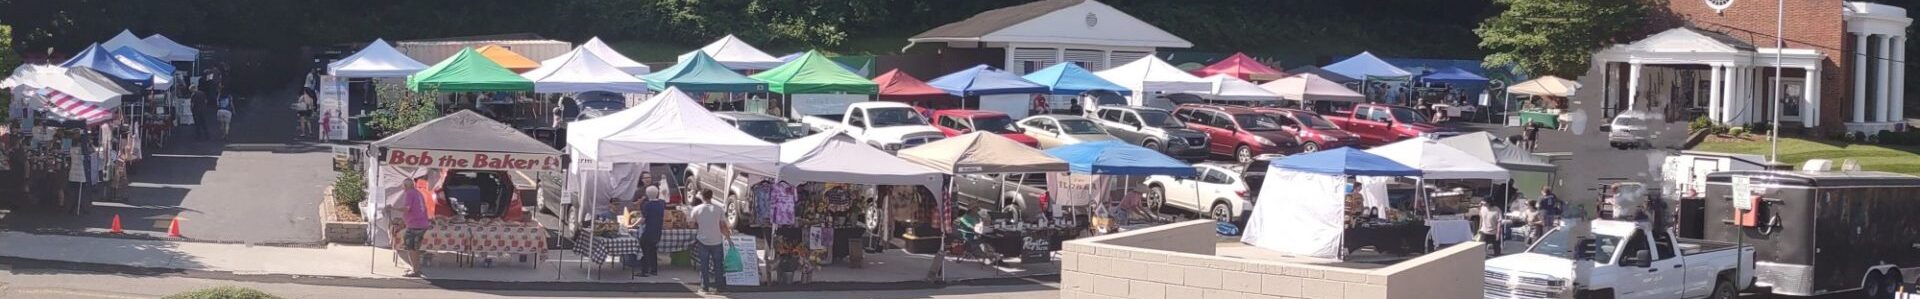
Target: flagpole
x=1779, y=50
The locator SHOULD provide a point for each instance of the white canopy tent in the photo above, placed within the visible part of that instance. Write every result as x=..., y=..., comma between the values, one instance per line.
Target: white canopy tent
x=1308, y=87
x=668, y=128
x=1230, y=88
x=1149, y=76
x=606, y=53
x=581, y=70
x=1439, y=161
x=837, y=158
x=737, y=54
x=377, y=60
x=175, y=51
x=127, y=39
x=37, y=76
x=1300, y=214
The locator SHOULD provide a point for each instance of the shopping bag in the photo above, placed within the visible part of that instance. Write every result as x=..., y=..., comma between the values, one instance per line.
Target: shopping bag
x=732, y=261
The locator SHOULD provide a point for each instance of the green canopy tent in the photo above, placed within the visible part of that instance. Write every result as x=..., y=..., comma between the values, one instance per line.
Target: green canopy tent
x=700, y=73
x=813, y=73
x=468, y=71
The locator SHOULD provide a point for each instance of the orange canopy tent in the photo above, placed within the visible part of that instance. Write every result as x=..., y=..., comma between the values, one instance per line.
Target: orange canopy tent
x=898, y=86
x=1243, y=67
x=507, y=58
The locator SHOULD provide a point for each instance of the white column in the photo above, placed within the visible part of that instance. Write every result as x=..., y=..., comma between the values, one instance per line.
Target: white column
x=1899, y=81
x=1860, y=78
x=1633, y=84
x=1714, y=101
x=1810, y=98
x=1731, y=96
x=1011, y=66
x=1737, y=108
x=1880, y=80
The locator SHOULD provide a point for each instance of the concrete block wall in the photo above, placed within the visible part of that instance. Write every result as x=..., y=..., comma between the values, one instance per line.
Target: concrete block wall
x=1176, y=261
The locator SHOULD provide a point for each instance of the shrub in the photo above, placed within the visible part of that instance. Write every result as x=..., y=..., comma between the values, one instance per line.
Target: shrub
x=1737, y=131
x=1700, y=123
x=1759, y=127
x=349, y=189
x=223, y=293
x=1717, y=129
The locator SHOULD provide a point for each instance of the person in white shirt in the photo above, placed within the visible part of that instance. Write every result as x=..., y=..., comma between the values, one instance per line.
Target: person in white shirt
x=709, y=220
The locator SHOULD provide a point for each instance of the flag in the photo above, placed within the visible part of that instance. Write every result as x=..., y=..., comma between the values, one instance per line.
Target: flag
x=69, y=107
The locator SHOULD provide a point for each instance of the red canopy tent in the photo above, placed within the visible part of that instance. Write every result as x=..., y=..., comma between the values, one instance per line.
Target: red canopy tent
x=900, y=87
x=1243, y=67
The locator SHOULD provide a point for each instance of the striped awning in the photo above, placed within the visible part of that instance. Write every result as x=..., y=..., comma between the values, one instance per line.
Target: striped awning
x=66, y=106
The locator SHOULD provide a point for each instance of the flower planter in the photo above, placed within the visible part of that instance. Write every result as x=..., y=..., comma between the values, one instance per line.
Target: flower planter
x=337, y=228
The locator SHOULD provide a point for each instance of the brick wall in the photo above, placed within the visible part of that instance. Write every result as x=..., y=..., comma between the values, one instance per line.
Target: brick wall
x=1176, y=261
x=1810, y=24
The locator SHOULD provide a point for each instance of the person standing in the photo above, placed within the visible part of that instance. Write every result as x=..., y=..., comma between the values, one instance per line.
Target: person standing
x=225, y=115
x=1532, y=135
x=203, y=114
x=1490, y=222
x=711, y=236
x=1550, y=207
x=303, y=107
x=417, y=222
x=651, y=214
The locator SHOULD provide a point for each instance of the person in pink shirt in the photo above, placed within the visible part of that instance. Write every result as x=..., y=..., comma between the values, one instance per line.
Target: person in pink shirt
x=416, y=221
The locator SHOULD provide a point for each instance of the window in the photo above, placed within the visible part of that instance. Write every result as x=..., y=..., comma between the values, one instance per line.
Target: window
x=888, y=117
x=949, y=122
x=1110, y=115
x=1662, y=245
x=1081, y=127
x=1407, y=115
x=1032, y=179
x=1259, y=122
x=1220, y=120
x=1042, y=124
x=1160, y=119
x=1129, y=119
x=998, y=124
x=1216, y=177
x=1379, y=115
x=857, y=117
x=1314, y=121
x=1199, y=117
x=1635, y=244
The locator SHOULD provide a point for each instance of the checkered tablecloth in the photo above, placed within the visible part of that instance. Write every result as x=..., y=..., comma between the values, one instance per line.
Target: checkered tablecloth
x=598, y=248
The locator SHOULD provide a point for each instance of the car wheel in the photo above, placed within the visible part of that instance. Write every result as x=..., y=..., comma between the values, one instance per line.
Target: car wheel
x=1150, y=144
x=1893, y=282
x=1221, y=212
x=1243, y=154
x=1722, y=289
x=733, y=217
x=1309, y=147
x=1156, y=198
x=1872, y=288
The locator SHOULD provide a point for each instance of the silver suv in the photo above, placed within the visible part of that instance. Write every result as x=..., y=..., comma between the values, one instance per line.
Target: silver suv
x=1152, y=128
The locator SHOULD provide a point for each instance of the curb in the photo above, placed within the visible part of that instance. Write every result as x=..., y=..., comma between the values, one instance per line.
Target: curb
x=480, y=285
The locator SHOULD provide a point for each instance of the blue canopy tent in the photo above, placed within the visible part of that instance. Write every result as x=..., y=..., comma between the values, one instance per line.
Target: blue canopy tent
x=100, y=60
x=1117, y=158
x=1070, y=79
x=1345, y=161
x=155, y=64
x=1455, y=76
x=981, y=80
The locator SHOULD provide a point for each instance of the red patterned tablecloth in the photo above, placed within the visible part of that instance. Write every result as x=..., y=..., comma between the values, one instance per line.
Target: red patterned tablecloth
x=507, y=239
x=445, y=238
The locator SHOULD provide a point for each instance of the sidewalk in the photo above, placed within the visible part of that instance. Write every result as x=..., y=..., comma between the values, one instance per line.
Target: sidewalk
x=340, y=261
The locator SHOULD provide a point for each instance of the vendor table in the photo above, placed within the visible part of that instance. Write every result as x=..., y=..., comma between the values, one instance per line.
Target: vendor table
x=1447, y=232
x=1397, y=239
x=484, y=237
x=1550, y=120
x=598, y=248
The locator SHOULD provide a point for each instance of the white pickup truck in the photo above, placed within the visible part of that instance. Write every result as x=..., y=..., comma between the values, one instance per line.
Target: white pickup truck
x=1630, y=261
x=889, y=126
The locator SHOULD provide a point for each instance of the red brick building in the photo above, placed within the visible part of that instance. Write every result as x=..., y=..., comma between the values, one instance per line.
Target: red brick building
x=1716, y=58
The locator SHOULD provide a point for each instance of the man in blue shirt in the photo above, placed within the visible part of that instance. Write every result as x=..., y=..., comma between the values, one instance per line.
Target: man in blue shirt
x=651, y=212
x=1550, y=208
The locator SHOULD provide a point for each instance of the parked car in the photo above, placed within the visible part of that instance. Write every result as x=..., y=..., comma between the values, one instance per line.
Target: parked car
x=1017, y=193
x=1629, y=130
x=479, y=193
x=1239, y=132
x=1057, y=130
x=1630, y=260
x=955, y=122
x=888, y=126
x=1315, y=132
x=1152, y=128
x=766, y=127
x=1217, y=191
x=727, y=183
x=1378, y=124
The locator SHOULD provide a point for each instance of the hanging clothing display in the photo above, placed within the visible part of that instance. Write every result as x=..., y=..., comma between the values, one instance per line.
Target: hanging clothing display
x=784, y=198
x=763, y=202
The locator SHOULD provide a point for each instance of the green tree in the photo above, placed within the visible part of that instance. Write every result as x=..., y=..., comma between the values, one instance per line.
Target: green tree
x=403, y=109
x=1556, y=37
x=8, y=60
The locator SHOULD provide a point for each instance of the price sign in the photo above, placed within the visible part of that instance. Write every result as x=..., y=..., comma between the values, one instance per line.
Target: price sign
x=1742, y=188
x=1036, y=250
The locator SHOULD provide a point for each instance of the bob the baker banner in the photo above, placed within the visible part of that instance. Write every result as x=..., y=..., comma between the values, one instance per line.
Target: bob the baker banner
x=471, y=160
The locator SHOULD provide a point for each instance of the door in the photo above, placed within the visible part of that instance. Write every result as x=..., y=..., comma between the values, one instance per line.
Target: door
x=1637, y=282
x=1043, y=130
x=1129, y=128
x=1222, y=130
x=1215, y=184
x=1182, y=194
x=1375, y=125
x=949, y=126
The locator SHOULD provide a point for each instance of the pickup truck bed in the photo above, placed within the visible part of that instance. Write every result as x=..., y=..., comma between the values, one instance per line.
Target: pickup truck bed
x=1698, y=246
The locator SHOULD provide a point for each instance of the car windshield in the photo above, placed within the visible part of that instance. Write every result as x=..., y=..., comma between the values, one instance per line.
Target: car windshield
x=1311, y=120
x=889, y=117
x=1160, y=119
x=1628, y=121
x=1555, y=244
x=1080, y=127
x=999, y=124
x=762, y=128
x=1257, y=122
x=1408, y=115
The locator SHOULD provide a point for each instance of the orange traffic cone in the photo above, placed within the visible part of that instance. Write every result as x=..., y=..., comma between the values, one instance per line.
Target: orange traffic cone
x=116, y=225
x=173, y=230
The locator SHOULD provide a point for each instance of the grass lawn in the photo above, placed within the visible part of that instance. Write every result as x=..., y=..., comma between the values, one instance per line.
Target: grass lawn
x=1889, y=158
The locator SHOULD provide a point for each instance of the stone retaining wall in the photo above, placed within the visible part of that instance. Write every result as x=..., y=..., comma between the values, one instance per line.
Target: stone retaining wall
x=1177, y=261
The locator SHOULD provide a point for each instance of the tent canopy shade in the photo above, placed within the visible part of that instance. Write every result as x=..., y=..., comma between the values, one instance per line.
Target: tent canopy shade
x=175, y=50
x=1454, y=75
x=1118, y=158
x=1489, y=148
x=668, y=128
x=700, y=73
x=507, y=58
x=1366, y=65
x=1233, y=89
x=981, y=80
x=582, y=71
x=835, y=157
x=1323, y=73
x=1243, y=67
x=606, y=53
x=1438, y=161
x=127, y=39
x=378, y=60
x=468, y=132
x=1311, y=87
x=896, y=83
x=1068, y=78
x=162, y=70
x=65, y=80
x=467, y=71
x=1149, y=75
x=982, y=153
x=1546, y=86
x=813, y=73
x=1345, y=161
x=736, y=54
x=99, y=59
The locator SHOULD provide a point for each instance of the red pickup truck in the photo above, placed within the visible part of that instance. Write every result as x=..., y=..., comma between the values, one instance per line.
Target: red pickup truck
x=1378, y=124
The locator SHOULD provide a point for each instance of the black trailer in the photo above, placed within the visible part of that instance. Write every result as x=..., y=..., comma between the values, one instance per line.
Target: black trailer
x=1819, y=232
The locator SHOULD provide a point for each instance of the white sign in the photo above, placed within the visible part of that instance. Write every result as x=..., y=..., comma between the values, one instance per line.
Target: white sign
x=470, y=160
x=823, y=104
x=1742, y=189
x=332, y=110
x=1719, y=5
x=749, y=274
